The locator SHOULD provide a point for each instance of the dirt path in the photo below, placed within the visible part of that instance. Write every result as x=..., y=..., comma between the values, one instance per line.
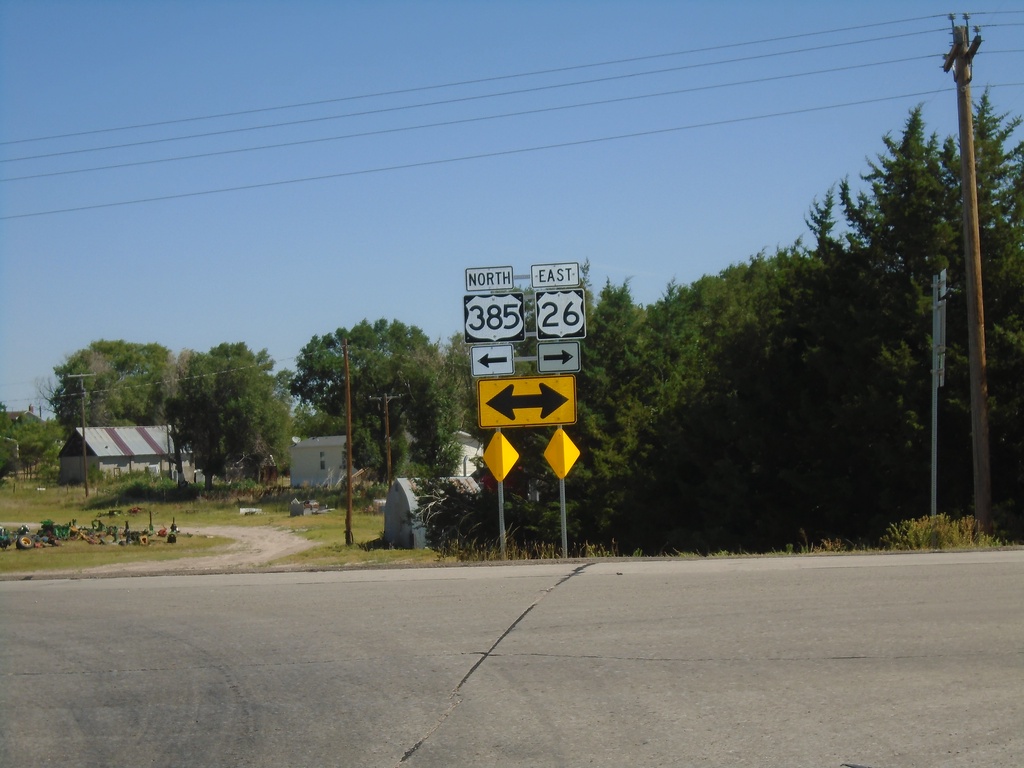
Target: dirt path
x=251, y=548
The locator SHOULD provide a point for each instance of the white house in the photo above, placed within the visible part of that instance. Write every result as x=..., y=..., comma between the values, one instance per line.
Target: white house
x=318, y=461
x=121, y=449
x=472, y=454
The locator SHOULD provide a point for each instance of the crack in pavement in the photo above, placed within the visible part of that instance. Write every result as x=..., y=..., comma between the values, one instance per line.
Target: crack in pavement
x=455, y=697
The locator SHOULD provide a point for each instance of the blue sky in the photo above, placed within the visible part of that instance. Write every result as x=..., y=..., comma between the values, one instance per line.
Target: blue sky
x=423, y=138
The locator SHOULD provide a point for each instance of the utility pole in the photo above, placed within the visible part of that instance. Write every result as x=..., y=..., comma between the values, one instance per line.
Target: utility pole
x=85, y=460
x=349, y=538
x=938, y=378
x=387, y=428
x=960, y=59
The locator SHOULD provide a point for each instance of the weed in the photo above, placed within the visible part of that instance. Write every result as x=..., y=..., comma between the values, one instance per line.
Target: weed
x=938, y=532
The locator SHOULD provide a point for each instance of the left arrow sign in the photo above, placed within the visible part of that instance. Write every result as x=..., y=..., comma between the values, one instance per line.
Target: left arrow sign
x=493, y=360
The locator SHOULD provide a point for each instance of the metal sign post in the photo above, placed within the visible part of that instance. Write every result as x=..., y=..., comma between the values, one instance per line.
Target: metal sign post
x=500, y=457
x=561, y=454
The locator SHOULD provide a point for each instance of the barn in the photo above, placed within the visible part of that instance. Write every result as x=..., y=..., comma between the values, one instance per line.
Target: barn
x=114, y=450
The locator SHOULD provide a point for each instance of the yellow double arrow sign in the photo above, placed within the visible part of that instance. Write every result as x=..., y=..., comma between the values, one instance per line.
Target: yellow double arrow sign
x=527, y=401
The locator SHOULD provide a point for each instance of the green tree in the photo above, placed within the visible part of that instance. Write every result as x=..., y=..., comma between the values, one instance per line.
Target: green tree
x=722, y=431
x=29, y=446
x=615, y=411
x=8, y=445
x=386, y=359
x=127, y=384
x=229, y=409
x=39, y=444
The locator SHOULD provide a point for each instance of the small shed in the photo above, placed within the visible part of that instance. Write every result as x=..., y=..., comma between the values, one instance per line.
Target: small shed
x=401, y=530
x=402, y=526
x=318, y=461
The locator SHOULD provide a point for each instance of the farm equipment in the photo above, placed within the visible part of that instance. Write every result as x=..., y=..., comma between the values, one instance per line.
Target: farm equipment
x=22, y=539
x=97, y=532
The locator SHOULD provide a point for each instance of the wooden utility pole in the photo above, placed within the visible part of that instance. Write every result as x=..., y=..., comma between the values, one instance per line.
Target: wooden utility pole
x=85, y=459
x=349, y=538
x=387, y=429
x=960, y=59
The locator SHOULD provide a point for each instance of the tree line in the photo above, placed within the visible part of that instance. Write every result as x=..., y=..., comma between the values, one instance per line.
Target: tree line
x=786, y=398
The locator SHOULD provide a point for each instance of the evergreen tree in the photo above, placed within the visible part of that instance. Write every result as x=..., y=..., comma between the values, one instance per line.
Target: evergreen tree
x=614, y=415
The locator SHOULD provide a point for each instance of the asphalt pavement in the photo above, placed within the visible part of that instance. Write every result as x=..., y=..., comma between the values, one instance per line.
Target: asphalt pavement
x=886, y=661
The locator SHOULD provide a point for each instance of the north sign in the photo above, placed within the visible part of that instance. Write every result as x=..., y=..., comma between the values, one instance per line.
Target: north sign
x=490, y=279
x=528, y=401
x=561, y=314
x=558, y=357
x=493, y=359
x=494, y=317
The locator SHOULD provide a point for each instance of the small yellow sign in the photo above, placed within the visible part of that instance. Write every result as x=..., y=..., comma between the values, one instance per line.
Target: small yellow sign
x=527, y=401
x=561, y=453
x=500, y=457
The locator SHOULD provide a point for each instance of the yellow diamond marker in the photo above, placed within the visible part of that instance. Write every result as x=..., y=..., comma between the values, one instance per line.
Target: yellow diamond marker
x=561, y=453
x=500, y=457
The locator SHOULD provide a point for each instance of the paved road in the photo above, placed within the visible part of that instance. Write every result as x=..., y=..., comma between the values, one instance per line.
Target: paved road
x=888, y=661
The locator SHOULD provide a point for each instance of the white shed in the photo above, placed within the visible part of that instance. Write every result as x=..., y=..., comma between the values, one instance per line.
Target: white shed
x=318, y=461
x=400, y=530
x=402, y=527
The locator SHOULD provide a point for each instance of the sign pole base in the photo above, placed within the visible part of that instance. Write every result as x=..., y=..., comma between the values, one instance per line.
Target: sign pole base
x=561, y=501
x=501, y=516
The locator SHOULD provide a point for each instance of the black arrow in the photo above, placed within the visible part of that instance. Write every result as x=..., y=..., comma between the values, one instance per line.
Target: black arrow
x=486, y=360
x=506, y=402
x=564, y=356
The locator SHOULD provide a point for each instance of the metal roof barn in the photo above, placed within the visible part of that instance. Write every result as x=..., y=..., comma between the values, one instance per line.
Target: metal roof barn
x=117, y=449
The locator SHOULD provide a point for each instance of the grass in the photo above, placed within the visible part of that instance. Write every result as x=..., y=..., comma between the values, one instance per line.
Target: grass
x=74, y=556
x=62, y=505
x=112, y=507
x=939, y=532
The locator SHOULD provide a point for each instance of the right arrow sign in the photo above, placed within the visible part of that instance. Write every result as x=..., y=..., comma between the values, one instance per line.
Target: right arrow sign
x=527, y=401
x=558, y=357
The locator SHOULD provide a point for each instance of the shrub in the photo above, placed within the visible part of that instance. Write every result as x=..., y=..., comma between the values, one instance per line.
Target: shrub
x=940, y=532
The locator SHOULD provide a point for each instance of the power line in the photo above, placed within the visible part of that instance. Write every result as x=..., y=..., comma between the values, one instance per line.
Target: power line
x=458, y=100
x=462, y=121
x=478, y=81
x=480, y=156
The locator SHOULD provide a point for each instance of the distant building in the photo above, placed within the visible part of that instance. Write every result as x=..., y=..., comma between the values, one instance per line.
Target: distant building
x=318, y=461
x=114, y=450
x=21, y=417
